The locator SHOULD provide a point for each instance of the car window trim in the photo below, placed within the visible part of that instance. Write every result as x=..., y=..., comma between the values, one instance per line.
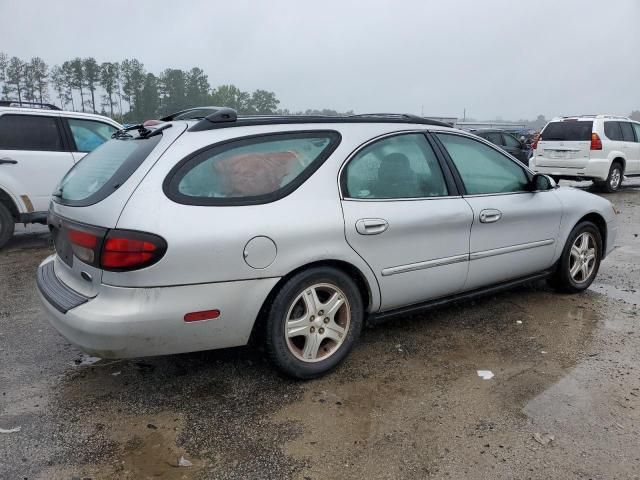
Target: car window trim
x=449, y=179
x=463, y=189
x=63, y=141
x=171, y=181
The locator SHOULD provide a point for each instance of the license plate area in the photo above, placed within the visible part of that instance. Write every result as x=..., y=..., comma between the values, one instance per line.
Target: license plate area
x=61, y=242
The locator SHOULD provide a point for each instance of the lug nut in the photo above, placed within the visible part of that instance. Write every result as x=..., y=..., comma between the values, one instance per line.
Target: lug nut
x=312, y=329
x=312, y=318
x=326, y=320
x=320, y=313
x=321, y=330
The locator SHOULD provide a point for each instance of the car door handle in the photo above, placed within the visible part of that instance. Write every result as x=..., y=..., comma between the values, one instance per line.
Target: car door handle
x=371, y=226
x=8, y=160
x=490, y=215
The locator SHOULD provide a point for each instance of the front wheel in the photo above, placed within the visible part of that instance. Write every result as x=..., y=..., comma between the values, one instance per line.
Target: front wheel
x=313, y=322
x=580, y=260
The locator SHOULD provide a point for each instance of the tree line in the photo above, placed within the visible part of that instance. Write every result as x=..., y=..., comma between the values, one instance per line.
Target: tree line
x=124, y=90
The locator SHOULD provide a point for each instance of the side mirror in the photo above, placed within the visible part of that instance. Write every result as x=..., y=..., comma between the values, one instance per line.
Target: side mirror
x=540, y=183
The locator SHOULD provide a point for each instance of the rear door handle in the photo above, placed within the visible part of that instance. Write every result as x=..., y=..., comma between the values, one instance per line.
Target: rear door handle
x=8, y=160
x=371, y=226
x=490, y=215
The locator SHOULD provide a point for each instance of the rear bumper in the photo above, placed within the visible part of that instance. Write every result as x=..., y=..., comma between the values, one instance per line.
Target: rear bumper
x=136, y=322
x=595, y=169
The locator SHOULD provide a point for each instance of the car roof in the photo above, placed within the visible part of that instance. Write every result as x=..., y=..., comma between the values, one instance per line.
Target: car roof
x=55, y=113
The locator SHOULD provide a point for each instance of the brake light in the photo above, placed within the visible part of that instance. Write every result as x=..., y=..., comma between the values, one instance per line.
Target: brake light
x=83, y=244
x=596, y=143
x=130, y=250
x=534, y=144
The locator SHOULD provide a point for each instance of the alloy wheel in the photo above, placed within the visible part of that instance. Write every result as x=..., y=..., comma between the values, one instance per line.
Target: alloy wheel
x=582, y=261
x=616, y=178
x=317, y=322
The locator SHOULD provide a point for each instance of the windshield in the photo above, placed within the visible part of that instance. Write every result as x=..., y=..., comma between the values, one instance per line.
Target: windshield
x=104, y=170
x=567, y=131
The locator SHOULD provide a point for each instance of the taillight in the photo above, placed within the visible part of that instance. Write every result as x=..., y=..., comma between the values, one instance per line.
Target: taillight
x=129, y=250
x=84, y=245
x=596, y=143
x=536, y=139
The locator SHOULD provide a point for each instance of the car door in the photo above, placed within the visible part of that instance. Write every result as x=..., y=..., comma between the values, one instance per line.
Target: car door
x=515, y=148
x=33, y=157
x=87, y=135
x=514, y=230
x=404, y=217
x=630, y=147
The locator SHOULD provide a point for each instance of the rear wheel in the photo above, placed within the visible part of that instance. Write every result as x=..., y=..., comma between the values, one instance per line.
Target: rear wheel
x=313, y=322
x=580, y=260
x=7, y=225
x=614, y=180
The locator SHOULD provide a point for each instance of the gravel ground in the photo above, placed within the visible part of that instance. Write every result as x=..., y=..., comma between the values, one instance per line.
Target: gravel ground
x=408, y=403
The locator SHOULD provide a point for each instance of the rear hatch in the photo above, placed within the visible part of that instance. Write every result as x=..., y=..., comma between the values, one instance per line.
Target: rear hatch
x=565, y=143
x=89, y=200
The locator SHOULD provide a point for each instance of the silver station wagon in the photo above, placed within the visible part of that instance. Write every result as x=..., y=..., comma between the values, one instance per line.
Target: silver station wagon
x=294, y=231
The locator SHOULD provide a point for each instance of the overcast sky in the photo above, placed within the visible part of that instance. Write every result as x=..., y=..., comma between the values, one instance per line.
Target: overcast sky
x=496, y=58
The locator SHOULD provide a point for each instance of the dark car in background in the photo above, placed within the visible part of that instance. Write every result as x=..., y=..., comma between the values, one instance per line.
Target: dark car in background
x=508, y=142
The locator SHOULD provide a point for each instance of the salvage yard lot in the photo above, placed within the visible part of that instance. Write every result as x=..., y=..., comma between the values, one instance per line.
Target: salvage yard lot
x=564, y=401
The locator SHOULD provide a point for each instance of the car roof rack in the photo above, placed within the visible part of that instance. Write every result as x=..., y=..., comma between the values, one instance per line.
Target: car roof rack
x=227, y=117
x=23, y=104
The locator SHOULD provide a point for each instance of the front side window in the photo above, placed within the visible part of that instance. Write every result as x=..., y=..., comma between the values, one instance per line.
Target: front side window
x=251, y=170
x=30, y=132
x=511, y=142
x=627, y=132
x=495, y=138
x=483, y=169
x=403, y=166
x=88, y=134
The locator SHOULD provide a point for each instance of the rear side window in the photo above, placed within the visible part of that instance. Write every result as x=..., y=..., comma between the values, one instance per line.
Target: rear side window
x=612, y=130
x=30, y=132
x=103, y=171
x=88, y=134
x=510, y=141
x=567, y=131
x=402, y=166
x=495, y=138
x=250, y=170
x=627, y=132
x=636, y=127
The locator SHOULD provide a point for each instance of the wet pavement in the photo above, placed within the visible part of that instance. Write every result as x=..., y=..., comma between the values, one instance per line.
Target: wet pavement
x=564, y=401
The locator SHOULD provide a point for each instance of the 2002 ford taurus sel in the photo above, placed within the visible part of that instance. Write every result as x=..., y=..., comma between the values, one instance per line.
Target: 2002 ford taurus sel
x=202, y=234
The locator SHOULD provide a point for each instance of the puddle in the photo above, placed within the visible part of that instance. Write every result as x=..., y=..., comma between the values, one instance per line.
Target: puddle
x=625, y=295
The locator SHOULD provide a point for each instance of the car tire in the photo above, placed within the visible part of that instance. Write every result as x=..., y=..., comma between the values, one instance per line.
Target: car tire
x=580, y=260
x=321, y=309
x=7, y=225
x=614, y=179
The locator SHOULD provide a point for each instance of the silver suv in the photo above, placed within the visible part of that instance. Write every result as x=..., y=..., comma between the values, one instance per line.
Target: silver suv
x=293, y=231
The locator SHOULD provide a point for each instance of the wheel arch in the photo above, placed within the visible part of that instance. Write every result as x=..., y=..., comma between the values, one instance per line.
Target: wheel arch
x=354, y=272
x=8, y=202
x=621, y=160
x=599, y=221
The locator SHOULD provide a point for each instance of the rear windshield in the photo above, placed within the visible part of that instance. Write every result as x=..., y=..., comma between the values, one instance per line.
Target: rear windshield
x=104, y=170
x=567, y=131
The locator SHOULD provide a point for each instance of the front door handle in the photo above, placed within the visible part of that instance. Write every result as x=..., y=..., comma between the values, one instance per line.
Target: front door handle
x=490, y=215
x=8, y=160
x=371, y=226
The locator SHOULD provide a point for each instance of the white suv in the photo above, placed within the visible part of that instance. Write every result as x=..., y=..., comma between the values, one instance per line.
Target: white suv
x=601, y=148
x=38, y=145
